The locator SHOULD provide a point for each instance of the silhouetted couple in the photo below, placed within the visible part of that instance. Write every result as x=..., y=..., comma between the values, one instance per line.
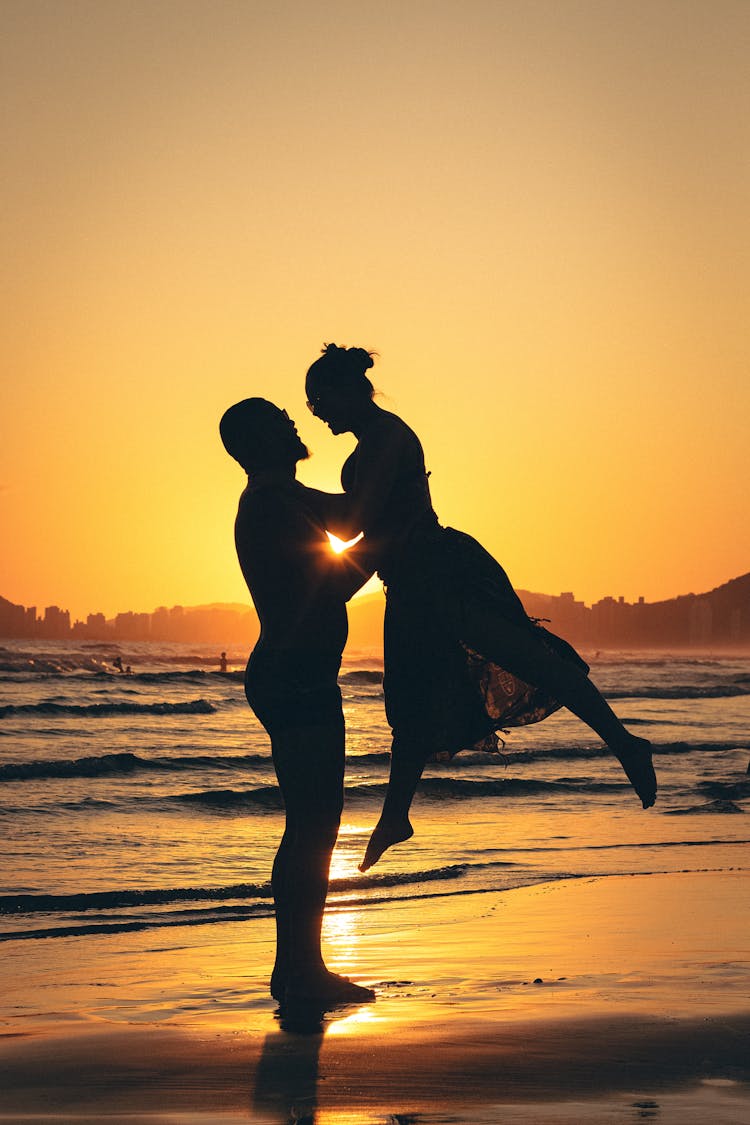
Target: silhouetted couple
x=461, y=657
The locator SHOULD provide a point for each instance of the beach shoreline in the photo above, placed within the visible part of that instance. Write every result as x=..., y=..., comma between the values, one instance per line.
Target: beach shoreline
x=603, y=998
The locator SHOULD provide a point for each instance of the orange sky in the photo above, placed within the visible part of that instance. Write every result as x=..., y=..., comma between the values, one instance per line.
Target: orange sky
x=536, y=212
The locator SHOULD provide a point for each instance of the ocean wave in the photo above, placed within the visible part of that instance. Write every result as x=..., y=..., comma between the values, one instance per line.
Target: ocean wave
x=12, y=674
x=689, y=691
x=456, y=788
x=40, y=667
x=237, y=912
x=646, y=657
x=510, y=757
x=720, y=806
x=194, y=918
x=96, y=710
x=583, y=753
x=220, y=800
x=730, y=790
x=738, y=685
x=131, y=898
x=269, y=799
x=195, y=674
x=127, y=764
x=432, y=788
x=221, y=911
x=106, y=765
x=362, y=676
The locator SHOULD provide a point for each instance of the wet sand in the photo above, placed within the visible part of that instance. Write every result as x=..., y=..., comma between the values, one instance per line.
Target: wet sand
x=613, y=999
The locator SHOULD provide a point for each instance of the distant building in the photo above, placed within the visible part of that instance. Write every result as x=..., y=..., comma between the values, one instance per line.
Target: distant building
x=132, y=626
x=96, y=627
x=56, y=623
x=13, y=619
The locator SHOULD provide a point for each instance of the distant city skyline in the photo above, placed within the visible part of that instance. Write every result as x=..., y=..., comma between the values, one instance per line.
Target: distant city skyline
x=717, y=617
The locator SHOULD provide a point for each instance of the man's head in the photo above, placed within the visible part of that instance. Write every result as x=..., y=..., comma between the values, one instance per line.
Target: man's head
x=261, y=436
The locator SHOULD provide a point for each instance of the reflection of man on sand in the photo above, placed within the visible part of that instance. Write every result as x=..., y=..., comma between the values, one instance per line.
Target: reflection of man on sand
x=286, y=1080
x=299, y=587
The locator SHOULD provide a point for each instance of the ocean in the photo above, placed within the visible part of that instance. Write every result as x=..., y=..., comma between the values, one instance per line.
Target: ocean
x=148, y=801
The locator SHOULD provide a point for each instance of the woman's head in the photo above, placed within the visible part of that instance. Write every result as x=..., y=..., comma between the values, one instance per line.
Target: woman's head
x=338, y=390
x=261, y=436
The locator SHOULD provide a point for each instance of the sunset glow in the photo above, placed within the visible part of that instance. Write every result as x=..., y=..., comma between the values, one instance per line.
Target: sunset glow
x=536, y=214
x=339, y=546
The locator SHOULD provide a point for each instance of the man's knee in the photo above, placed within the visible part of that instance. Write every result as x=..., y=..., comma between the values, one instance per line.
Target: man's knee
x=311, y=836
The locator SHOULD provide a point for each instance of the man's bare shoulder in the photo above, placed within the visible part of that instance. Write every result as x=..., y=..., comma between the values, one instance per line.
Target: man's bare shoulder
x=276, y=512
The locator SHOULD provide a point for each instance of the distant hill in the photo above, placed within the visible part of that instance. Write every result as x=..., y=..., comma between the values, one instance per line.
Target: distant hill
x=366, y=622
x=717, y=619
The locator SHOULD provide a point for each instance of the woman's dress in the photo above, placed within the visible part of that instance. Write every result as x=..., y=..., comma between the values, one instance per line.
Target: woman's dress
x=440, y=695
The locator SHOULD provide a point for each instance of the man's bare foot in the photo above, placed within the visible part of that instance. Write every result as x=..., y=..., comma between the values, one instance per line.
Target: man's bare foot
x=634, y=755
x=324, y=987
x=278, y=984
x=385, y=834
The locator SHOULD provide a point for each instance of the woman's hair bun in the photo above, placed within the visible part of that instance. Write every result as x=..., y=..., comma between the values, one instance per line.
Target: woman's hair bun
x=364, y=358
x=355, y=358
x=343, y=366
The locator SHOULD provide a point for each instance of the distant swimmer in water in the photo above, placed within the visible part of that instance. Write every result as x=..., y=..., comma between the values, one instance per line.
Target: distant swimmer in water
x=300, y=589
x=223, y=662
x=117, y=663
x=462, y=659
x=128, y=671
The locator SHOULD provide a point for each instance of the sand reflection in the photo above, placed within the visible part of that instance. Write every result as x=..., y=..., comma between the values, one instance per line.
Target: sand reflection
x=286, y=1081
x=341, y=936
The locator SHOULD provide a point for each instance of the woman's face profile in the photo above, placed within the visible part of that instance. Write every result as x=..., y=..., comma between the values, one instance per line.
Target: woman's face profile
x=330, y=405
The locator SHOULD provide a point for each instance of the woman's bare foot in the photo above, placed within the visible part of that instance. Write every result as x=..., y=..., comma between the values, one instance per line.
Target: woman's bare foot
x=324, y=987
x=385, y=834
x=634, y=755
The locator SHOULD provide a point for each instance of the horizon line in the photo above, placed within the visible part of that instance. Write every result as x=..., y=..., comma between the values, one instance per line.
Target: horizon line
x=250, y=608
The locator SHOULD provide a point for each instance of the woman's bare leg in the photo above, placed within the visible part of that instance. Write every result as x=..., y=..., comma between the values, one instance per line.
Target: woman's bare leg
x=519, y=650
x=394, y=825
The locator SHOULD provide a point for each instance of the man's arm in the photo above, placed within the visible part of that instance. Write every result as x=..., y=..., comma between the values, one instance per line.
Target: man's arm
x=284, y=545
x=332, y=509
x=350, y=569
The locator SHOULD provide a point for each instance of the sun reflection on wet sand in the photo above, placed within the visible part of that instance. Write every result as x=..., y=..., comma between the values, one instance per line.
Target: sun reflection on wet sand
x=341, y=935
x=346, y=855
x=358, y=1019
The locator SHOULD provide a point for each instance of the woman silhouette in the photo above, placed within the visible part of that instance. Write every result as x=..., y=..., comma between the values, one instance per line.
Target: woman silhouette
x=461, y=657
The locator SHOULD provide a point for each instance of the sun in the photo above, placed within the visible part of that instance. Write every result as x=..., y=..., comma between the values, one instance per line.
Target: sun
x=338, y=545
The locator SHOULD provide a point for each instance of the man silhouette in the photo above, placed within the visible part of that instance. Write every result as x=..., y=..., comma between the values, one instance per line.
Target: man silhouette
x=299, y=588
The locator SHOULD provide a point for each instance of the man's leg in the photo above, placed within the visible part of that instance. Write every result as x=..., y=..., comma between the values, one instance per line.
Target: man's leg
x=309, y=763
